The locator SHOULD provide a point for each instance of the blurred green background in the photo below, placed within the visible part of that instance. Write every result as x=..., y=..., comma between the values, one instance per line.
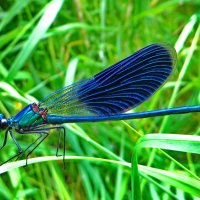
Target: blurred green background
x=45, y=45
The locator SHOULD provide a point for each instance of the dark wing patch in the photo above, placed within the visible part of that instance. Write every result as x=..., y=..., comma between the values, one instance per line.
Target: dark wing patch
x=118, y=88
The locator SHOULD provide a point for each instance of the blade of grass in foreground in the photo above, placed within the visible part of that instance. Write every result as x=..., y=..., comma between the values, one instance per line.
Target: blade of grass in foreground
x=183, y=143
x=180, y=181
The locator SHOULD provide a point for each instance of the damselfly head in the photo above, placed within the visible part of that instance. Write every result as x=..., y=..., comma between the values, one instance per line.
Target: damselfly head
x=3, y=122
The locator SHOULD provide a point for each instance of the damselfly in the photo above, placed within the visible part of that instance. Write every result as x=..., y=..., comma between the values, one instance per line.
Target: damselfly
x=103, y=97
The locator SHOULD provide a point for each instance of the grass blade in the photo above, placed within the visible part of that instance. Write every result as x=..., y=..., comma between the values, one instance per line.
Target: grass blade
x=183, y=143
x=45, y=22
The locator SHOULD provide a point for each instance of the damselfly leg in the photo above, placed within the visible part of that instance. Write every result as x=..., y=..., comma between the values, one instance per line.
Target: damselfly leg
x=43, y=134
x=16, y=143
x=59, y=141
x=5, y=140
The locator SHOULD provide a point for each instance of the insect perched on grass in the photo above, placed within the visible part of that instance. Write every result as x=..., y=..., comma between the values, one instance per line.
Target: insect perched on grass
x=103, y=97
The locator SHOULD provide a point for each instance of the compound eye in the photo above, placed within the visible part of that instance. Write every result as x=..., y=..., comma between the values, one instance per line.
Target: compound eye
x=3, y=121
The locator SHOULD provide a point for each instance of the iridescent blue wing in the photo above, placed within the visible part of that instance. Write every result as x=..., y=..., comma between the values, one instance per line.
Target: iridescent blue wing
x=118, y=88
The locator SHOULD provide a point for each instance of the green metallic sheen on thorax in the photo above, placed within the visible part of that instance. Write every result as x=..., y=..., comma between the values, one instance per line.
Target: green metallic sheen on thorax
x=27, y=118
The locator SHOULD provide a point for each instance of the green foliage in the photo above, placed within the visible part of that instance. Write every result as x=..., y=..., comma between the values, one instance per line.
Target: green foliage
x=45, y=45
